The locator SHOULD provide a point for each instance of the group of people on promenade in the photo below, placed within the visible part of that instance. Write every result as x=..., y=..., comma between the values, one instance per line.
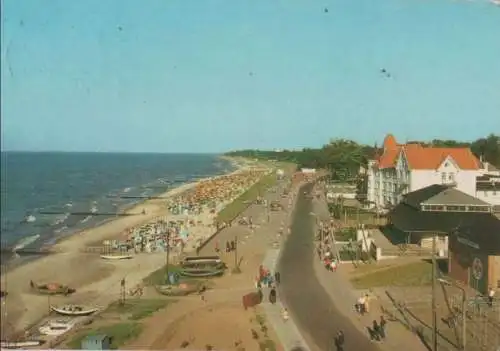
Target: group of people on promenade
x=377, y=330
x=324, y=248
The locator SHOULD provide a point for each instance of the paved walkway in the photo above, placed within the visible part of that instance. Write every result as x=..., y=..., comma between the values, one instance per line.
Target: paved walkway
x=288, y=333
x=344, y=296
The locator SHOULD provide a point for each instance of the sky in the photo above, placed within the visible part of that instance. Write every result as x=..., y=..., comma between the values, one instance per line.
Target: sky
x=212, y=76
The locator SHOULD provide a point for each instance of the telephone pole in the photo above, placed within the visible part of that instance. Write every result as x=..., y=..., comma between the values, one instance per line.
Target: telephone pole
x=434, y=281
x=236, y=253
x=167, y=268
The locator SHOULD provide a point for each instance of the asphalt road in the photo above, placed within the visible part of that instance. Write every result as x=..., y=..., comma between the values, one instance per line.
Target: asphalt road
x=310, y=306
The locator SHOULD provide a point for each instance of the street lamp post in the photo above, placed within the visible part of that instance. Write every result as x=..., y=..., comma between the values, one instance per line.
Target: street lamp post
x=167, y=247
x=434, y=307
x=464, y=310
x=236, y=253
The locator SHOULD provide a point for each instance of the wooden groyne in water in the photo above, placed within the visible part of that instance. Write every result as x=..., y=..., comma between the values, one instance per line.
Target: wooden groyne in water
x=87, y=213
x=137, y=197
x=26, y=252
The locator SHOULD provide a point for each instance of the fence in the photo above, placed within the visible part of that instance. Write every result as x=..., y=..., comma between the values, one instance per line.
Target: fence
x=482, y=323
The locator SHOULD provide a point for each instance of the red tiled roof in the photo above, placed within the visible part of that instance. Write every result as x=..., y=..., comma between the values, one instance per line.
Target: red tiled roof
x=388, y=158
x=420, y=157
x=390, y=142
x=433, y=157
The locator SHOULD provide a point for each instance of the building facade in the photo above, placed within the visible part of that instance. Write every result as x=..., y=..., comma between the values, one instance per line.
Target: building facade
x=403, y=168
x=461, y=224
x=474, y=254
x=434, y=211
x=488, y=189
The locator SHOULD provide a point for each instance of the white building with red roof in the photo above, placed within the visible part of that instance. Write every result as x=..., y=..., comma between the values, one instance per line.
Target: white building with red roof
x=403, y=168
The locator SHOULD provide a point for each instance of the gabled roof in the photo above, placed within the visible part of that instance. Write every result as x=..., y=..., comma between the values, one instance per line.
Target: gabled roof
x=433, y=157
x=452, y=196
x=415, y=198
x=439, y=194
x=420, y=157
x=489, y=167
x=388, y=158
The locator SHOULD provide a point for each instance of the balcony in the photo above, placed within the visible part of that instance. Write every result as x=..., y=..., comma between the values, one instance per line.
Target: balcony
x=450, y=183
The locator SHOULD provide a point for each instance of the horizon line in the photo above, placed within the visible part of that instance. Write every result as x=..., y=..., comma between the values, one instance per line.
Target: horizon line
x=109, y=152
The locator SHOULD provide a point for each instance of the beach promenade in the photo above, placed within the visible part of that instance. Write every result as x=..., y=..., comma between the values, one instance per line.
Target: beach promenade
x=97, y=282
x=220, y=319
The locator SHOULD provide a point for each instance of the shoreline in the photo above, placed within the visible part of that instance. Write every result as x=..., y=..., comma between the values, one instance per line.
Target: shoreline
x=53, y=245
x=98, y=279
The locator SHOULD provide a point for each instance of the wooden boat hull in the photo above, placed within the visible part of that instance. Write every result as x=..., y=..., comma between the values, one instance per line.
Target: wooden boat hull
x=20, y=344
x=203, y=266
x=64, y=312
x=65, y=292
x=51, y=289
x=202, y=272
x=51, y=332
x=202, y=259
x=170, y=290
x=120, y=257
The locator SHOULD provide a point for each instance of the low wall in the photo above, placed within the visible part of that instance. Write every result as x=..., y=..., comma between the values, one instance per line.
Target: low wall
x=375, y=251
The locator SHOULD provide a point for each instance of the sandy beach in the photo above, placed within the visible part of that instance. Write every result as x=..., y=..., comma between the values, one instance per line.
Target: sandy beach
x=97, y=281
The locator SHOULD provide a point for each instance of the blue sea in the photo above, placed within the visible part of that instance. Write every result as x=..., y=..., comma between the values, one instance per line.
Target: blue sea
x=77, y=182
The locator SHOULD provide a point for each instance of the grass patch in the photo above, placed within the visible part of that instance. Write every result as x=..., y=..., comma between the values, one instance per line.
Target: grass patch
x=138, y=309
x=159, y=277
x=411, y=274
x=119, y=333
x=232, y=210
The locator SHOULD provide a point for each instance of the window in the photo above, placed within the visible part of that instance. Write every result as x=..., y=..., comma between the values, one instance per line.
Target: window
x=478, y=209
x=436, y=208
x=451, y=177
x=443, y=177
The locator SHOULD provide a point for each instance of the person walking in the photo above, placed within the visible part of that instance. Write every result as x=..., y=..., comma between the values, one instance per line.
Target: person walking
x=277, y=278
x=491, y=296
x=285, y=315
x=339, y=341
x=376, y=330
x=272, y=296
x=360, y=305
x=382, y=324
